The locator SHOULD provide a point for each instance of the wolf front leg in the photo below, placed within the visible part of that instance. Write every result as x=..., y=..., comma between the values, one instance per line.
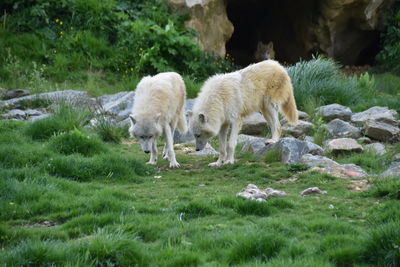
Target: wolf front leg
x=235, y=128
x=154, y=151
x=223, y=134
x=170, y=153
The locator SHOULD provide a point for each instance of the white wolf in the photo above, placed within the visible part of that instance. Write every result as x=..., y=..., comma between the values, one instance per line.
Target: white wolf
x=225, y=99
x=158, y=109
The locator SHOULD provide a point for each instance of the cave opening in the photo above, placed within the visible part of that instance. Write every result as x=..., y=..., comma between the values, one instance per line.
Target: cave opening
x=290, y=27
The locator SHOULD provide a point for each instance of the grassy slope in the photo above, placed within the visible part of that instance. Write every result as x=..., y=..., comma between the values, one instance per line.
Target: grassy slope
x=122, y=218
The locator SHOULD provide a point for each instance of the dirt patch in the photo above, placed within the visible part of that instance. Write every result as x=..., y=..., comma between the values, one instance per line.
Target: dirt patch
x=359, y=185
x=42, y=224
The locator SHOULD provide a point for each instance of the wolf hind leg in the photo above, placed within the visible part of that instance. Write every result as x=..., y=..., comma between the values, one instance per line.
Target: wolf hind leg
x=223, y=134
x=270, y=112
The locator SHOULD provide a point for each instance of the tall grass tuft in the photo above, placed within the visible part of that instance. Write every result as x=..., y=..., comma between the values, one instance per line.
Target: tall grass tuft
x=385, y=187
x=321, y=79
x=76, y=141
x=109, y=132
x=102, y=166
x=66, y=117
x=259, y=246
x=381, y=246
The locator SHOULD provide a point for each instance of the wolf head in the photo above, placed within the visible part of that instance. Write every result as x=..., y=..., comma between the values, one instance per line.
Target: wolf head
x=145, y=130
x=201, y=129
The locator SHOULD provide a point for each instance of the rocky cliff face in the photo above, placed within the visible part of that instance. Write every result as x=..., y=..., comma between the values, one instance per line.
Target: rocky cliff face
x=347, y=30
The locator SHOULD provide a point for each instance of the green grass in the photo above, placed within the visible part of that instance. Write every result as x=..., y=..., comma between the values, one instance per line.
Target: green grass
x=108, y=209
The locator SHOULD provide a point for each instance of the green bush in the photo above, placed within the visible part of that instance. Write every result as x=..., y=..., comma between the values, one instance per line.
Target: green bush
x=389, y=57
x=68, y=38
x=76, y=142
x=109, y=132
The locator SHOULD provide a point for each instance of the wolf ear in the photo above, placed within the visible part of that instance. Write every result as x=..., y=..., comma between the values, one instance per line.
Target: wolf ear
x=132, y=119
x=157, y=117
x=270, y=45
x=202, y=118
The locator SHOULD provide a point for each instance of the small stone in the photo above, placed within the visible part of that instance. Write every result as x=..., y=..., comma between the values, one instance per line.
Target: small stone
x=343, y=145
x=338, y=128
x=381, y=114
x=274, y=193
x=382, y=131
x=14, y=114
x=298, y=130
x=377, y=148
x=312, y=190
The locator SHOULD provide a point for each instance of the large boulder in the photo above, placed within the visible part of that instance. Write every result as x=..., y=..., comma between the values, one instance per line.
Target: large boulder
x=118, y=105
x=290, y=149
x=70, y=96
x=335, y=111
x=299, y=130
x=325, y=165
x=340, y=129
x=392, y=172
x=16, y=93
x=382, y=131
x=380, y=114
x=254, y=124
x=343, y=145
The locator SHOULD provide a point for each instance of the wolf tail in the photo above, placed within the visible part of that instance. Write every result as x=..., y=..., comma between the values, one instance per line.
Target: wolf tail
x=182, y=125
x=288, y=106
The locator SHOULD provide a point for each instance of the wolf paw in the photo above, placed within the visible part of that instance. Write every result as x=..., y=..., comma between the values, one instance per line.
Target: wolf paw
x=215, y=164
x=174, y=165
x=229, y=161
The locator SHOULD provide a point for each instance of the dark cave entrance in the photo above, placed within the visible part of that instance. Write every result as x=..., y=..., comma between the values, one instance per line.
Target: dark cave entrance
x=289, y=25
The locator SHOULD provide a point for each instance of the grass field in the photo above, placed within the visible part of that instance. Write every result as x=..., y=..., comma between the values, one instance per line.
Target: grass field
x=99, y=205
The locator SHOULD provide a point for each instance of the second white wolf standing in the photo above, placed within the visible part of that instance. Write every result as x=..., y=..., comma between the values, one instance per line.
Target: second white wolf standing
x=225, y=99
x=158, y=110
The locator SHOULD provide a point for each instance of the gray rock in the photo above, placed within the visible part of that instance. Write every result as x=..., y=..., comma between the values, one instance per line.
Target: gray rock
x=309, y=139
x=325, y=165
x=382, y=131
x=245, y=139
x=394, y=164
x=70, y=96
x=208, y=150
x=254, y=124
x=397, y=157
x=299, y=130
x=381, y=114
x=182, y=138
x=335, y=111
x=33, y=112
x=252, y=144
x=312, y=190
x=252, y=192
x=303, y=116
x=338, y=128
x=392, y=172
x=40, y=117
x=119, y=105
x=16, y=93
x=377, y=148
x=343, y=145
x=290, y=149
x=14, y=114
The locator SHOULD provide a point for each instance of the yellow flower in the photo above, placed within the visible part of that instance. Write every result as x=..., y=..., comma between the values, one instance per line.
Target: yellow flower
x=61, y=23
x=57, y=20
x=131, y=69
x=11, y=203
x=61, y=33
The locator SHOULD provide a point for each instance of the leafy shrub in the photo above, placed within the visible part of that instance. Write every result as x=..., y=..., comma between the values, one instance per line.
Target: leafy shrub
x=103, y=166
x=321, y=79
x=389, y=57
x=76, y=142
